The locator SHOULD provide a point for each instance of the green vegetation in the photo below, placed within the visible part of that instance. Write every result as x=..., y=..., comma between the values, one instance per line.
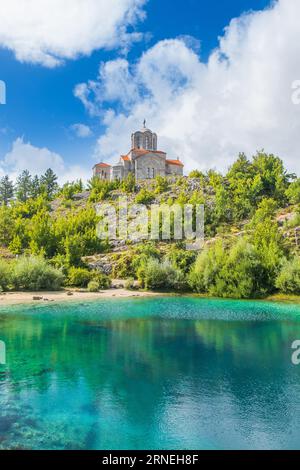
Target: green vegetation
x=144, y=197
x=154, y=274
x=288, y=279
x=249, y=252
x=30, y=273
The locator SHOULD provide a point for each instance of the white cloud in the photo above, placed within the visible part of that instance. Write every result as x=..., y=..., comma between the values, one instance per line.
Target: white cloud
x=48, y=31
x=206, y=113
x=81, y=130
x=25, y=156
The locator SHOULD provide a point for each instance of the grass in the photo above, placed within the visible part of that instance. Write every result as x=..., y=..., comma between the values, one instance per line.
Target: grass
x=284, y=298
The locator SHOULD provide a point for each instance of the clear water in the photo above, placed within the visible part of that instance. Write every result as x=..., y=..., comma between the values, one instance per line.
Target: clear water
x=162, y=373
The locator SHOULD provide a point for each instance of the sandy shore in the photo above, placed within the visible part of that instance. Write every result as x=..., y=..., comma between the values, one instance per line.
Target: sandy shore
x=15, y=298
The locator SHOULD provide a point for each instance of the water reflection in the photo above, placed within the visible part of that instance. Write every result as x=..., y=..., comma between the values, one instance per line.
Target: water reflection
x=136, y=375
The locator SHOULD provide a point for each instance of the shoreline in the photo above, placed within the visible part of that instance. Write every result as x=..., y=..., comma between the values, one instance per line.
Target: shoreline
x=38, y=298
x=73, y=295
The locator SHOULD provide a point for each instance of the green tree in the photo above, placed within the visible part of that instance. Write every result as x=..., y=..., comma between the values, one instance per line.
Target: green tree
x=236, y=271
x=293, y=192
x=24, y=186
x=274, y=177
x=288, y=279
x=7, y=225
x=36, y=188
x=49, y=182
x=267, y=240
x=6, y=190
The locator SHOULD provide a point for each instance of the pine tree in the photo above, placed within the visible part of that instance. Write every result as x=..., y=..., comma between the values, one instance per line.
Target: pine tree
x=49, y=181
x=6, y=190
x=24, y=186
x=36, y=189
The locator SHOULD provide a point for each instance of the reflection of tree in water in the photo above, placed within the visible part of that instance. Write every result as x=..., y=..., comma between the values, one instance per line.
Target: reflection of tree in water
x=143, y=365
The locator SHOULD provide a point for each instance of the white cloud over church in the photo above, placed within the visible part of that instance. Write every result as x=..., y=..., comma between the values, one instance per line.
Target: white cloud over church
x=206, y=113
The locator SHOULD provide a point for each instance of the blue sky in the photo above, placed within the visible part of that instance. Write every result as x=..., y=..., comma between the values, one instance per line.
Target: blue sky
x=41, y=107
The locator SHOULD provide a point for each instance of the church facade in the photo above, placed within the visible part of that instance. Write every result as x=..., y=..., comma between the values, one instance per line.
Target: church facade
x=144, y=160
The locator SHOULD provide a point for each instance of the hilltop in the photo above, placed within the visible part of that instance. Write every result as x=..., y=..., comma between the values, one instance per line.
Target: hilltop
x=252, y=227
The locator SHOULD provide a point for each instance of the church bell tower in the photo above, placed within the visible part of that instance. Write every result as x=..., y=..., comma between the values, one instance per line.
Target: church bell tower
x=144, y=139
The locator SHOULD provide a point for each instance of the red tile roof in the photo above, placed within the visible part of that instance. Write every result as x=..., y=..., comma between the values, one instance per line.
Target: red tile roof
x=141, y=152
x=144, y=151
x=174, y=162
x=102, y=165
x=125, y=158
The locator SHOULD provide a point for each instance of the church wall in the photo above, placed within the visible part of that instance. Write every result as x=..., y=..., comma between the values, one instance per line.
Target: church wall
x=102, y=173
x=149, y=166
x=117, y=172
x=174, y=170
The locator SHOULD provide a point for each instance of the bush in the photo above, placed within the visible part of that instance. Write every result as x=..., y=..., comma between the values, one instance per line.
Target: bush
x=156, y=275
x=79, y=277
x=102, y=280
x=93, y=286
x=288, y=280
x=144, y=197
x=34, y=273
x=293, y=192
x=128, y=185
x=237, y=272
x=161, y=184
x=129, y=284
x=182, y=259
x=5, y=275
x=196, y=174
x=123, y=265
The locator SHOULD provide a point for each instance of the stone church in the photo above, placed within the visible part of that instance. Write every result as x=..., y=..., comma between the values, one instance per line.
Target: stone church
x=143, y=160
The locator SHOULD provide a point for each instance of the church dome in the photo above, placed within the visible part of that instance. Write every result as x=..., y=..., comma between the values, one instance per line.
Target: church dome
x=144, y=139
x=145, y=129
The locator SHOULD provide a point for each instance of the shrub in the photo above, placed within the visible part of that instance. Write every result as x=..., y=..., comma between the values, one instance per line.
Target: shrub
x=102, y=280
x=129, y=284
x=208, y=264
x=34, y=273
x=142, y=255
x=144, y=197
x=159, y=275
x=93, y=286
x=100, y=189
x=182, y=259
x=5, y=275
x=293, y=192
x=196, y=174
x=161, y=184
x=128, y=185
x=288, y=279
x=237, y=272
x=79, y=277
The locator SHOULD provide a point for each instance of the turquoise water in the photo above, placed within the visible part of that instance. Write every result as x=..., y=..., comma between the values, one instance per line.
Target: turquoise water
x=152, y=373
